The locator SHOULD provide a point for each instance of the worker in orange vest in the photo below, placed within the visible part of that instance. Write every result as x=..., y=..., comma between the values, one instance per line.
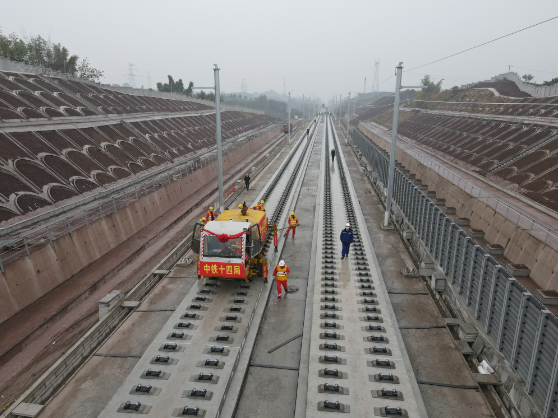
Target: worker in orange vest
x=281, y=272
x=211, y=215
x=203, y=222
x=261, y=206
x=256, y=207
x=292, y=222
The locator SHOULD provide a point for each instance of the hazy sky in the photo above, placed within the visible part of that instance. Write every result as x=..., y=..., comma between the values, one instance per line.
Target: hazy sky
x=319, y=47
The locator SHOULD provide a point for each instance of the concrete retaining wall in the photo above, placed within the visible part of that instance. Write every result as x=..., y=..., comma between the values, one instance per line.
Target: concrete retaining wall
x=535, y=91
x=520, y=247
x=27, y=279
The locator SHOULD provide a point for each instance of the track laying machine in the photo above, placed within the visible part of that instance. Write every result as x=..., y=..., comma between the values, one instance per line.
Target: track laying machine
x=232, y=246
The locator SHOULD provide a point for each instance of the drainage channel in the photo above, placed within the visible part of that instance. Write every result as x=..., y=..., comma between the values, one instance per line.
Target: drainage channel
x=357, y=361
x=188, y=367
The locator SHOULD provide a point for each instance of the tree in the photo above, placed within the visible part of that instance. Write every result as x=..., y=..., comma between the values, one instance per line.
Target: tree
x=36, y=50
x=85, y=70
x=175, y=86
x=179, y=86
x=189, y=90
x=528, y=77
x=13, y=48
x=57, y=58
x=552, y=82
x=429, y=86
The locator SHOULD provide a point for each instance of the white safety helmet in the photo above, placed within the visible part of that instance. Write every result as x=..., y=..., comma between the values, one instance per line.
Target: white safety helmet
x=281, y=263
x=347, y=225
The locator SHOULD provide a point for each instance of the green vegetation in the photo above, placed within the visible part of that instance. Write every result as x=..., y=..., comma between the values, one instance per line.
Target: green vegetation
x=36, y=50
x=431, y=91
x=207, y=96
x=527, y=77
x=175, y=86
x=552, y=82
x=429, y=86
x=179, y=88
x=275, y=108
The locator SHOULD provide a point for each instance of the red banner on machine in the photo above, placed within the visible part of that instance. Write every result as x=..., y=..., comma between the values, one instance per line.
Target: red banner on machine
x=217, y=269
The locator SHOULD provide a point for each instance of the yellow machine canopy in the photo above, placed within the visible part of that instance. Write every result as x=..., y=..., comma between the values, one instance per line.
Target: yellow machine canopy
x=253, y=216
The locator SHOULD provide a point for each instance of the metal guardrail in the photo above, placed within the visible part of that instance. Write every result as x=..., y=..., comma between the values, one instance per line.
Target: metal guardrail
x=547, y=235
x=514, y=320
x=15, y=247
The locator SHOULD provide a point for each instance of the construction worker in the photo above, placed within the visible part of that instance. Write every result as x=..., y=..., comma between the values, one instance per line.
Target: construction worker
x=203, y=222
x=256, y=207
x=247, y=180
x=281, y=272
x=211, y=215
x=240, y=207
x=261, y=206
x=346, y=237
x=333, y=153
x=292, y=222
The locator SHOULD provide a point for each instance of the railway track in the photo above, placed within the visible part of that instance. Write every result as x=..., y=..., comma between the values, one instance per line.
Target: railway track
x=357, y=361
x=353, y=359
x=188, y=368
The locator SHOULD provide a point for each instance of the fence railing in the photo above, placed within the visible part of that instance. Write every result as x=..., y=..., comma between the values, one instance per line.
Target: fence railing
x=15, y=247
x=543, y=233
x=514, y=320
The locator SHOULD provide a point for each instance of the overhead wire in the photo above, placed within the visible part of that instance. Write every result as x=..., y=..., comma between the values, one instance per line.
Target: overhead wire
x=485, y=43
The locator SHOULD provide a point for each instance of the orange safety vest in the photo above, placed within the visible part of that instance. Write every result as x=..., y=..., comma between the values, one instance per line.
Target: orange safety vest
x=293, y=221
x=282, y=273
x=209, y=216
x=203, y=223
x=261, y=207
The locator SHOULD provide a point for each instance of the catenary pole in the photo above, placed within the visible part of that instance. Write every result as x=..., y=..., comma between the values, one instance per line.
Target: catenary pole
x=348, y=118
x=219, y=137
x=289, y=119
x=339, y=110
x=393, y=146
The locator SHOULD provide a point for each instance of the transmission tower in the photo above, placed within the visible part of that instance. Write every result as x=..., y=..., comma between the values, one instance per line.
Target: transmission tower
x=243, y=86
x=375, y=86
x=149, y=80
x=131, y=75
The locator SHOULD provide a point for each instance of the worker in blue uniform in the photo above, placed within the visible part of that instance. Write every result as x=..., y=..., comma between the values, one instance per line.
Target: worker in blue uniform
x=346, y=237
